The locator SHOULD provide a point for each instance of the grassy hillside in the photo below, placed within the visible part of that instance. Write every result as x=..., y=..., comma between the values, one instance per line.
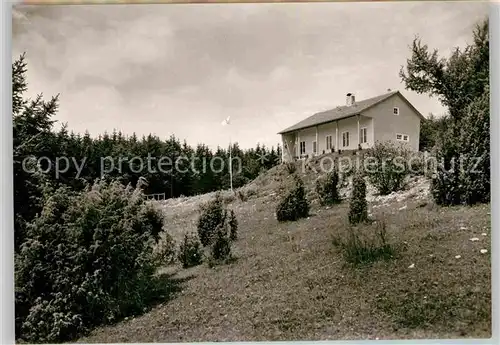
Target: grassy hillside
x=290, y=282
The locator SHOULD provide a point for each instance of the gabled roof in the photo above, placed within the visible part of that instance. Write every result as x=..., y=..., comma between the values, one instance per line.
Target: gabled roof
x=344, y=112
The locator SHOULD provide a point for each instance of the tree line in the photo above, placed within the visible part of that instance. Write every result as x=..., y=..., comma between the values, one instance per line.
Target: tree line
x=191, y=170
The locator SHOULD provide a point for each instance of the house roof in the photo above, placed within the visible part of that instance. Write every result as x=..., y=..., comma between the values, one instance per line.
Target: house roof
x=345, y=111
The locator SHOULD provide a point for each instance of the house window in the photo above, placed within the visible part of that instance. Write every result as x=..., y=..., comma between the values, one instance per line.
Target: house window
x=302, y=147
x=345, y=139
x=402, y=137
x=329, y=142
x=395, y=111
x=315, y=147
x=362, y=135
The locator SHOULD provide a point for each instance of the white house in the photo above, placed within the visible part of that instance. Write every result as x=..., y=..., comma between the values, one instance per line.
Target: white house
x=357, y=124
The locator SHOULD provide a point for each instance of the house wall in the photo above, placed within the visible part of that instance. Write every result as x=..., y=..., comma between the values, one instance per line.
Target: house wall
x=308, y=135
x=387, y=125
x=382, y=125
x=345, y=125
x=289, y=148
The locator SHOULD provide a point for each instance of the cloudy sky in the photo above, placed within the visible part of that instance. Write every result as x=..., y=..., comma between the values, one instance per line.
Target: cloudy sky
x=182, y=69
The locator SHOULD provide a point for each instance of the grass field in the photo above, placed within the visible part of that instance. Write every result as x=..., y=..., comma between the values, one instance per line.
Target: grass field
x=289, y=282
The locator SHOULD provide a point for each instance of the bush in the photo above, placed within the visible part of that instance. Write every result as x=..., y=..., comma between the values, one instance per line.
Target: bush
x=190, y=253
x=419, y=164
x=326, y=188
x=463, y=172
x=294, y=205
x=360, y=248
x=221, y=249
x=233, y=226
x=445, y=188
x=386, y=167
x=212, y=214
x=165, y=250
x=87, y=260
x=475, y=140
x=224, y=234
x=358, y=210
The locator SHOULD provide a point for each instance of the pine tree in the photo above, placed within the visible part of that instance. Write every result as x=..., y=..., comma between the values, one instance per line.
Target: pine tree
x=32, y=137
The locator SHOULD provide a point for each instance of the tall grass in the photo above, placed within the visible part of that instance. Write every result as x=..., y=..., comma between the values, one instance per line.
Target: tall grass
x=360, y=248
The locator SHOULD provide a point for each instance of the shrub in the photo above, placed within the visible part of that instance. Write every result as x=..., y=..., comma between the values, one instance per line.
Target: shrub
x=386, y=167
x=165, y=250
x=294, y=205
x=359, y=248
x=445, y=188
x=87, y=260
x=475, y=142
x=418, y=164
x=212, y=214
x=358, y=210
x=190, y=253
x=463, y=172
x=221, y=249
x=326, y=188
x=233, y=226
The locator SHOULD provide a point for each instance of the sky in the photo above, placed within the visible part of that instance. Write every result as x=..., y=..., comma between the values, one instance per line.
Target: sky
x=182, y=69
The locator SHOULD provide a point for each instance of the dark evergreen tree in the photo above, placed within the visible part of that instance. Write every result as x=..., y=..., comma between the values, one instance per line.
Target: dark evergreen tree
x=32, y=124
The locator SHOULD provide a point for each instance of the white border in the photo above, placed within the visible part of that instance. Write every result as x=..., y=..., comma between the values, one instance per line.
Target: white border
x=495, y=159
x=6, y=190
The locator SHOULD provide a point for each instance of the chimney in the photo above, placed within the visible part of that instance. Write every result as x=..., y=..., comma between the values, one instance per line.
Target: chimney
x=350, y=100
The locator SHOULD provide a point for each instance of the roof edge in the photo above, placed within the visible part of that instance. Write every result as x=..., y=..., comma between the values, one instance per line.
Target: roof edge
x=322, y=123
x=389, y=95
x=419, y=114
